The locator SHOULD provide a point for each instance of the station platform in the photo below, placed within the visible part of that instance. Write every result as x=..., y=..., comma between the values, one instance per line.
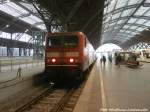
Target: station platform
x=145, y=60
x=112, y=88
x=15, y=68
x=24, y=73
x=11, y=85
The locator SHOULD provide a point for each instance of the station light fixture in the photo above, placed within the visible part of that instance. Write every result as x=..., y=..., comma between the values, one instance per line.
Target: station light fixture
x=26, y=30
x=7, y=26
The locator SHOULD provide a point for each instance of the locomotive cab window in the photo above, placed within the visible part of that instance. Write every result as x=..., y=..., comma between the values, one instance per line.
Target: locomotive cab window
x=62, y=41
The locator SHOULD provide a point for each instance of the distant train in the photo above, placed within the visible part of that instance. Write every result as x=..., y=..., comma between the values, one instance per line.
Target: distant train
x=70, y=53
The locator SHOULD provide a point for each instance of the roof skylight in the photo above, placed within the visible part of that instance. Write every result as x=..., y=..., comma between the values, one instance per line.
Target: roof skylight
x=21, y=13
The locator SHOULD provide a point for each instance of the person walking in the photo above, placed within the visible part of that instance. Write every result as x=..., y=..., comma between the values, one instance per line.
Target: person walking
x=118, y=60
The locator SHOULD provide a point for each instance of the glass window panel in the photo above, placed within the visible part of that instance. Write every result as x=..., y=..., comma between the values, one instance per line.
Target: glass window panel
x=116, y=15
x=28, y=6
x=128, y=31
x=35, y=18
x=121, y=21
x=105, y=10
x=103, y=22
x=108, y=29
x=12, y=9
x=147, y=1
x=117, y=27
x=111, y=5
x=133, y=33
x=141, y=10
x=105, y=2
x=15, y=35
x=132, y=20
x=131, y=2
x=140, y=29
x=121, y=3
x=7, y=10
x=122, y=34
x=122, y=31
x=43, y=27
x=107, y=19
x=31, y=19
x=127, y=12
x=126, y=26
x=141, y=21
x=147, y=23
x=129, y=35
x=121, y=39
x=147, y=13
x=25, y=37
x=5, y=35
x=106, y=26
x=111, y=24
x=133, y=27
x=17, y=7
x=28, y=20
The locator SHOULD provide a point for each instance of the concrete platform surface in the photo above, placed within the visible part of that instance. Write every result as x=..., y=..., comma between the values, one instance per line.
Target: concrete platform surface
x=11, y=84
x=146, y=60
x=90, y=99
x=25, y=72
x=111, y=88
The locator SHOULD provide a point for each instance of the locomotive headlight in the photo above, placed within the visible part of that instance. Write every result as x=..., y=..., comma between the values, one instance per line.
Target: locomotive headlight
x=53, y=60
x=71, y=60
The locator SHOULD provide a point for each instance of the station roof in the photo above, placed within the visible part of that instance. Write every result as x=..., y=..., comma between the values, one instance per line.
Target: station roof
x=74, y=15
x=124, y=20
x=19, y=17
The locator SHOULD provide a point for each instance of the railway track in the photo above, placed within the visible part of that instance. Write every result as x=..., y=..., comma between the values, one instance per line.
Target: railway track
x=62, y=98
x=53, y=100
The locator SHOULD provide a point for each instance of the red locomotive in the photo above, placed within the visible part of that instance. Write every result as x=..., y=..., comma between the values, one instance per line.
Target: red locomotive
x=70, y=52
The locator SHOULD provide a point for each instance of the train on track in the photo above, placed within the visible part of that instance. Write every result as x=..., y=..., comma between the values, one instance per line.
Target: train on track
x=69, y=53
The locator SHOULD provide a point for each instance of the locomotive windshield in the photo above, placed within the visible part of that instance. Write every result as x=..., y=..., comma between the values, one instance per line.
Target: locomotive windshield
x=62, y=41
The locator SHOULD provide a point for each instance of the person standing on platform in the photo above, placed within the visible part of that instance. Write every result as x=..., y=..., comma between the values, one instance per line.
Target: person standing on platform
x=101, y=60
x=110, y=58
x=104, y=59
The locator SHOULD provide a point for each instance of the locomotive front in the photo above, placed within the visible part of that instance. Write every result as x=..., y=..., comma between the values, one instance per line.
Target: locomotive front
x=63, y=53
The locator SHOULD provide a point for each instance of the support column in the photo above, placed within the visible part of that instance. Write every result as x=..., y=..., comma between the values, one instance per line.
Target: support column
x=25, y=51
x=8, y=51
x=20, y=51
x=29, y=52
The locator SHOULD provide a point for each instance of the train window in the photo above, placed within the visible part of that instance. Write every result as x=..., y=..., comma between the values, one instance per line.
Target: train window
x=62, y=41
